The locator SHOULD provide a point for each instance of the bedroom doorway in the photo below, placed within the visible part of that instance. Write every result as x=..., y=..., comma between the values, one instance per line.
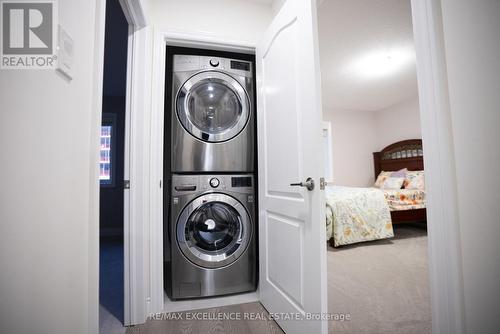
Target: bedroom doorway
x=376, y=211
x=112, y=172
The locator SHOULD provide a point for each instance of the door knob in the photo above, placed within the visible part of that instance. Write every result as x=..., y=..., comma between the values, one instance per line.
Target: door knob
x=309, y=184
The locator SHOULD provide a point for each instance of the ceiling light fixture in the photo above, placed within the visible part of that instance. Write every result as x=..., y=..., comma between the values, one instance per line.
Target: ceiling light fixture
x=381, y=63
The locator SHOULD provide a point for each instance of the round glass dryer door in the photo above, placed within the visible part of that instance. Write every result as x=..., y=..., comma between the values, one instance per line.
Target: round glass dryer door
x=213, y=230
x=212, y=106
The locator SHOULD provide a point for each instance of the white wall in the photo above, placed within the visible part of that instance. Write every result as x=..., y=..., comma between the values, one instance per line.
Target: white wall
x=472, y=49
x=277, y=4
x=357, y=134
x=233, y=20
x=353, y=142
x=46, y=191
x=144, y=4
x=398, y=122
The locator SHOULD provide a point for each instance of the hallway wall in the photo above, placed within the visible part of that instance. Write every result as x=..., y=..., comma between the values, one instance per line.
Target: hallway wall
x=48, y=192
x=247, y=19
x=473, y=68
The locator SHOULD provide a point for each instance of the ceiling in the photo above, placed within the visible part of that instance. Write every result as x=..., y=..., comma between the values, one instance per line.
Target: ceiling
x=352, y=34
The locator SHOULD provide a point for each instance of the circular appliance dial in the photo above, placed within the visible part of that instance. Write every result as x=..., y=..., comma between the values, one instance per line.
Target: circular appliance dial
x=214, y=182
x=214, y=62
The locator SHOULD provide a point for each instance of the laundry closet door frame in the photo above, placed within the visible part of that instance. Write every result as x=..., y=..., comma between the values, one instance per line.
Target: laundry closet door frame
x=156, y=297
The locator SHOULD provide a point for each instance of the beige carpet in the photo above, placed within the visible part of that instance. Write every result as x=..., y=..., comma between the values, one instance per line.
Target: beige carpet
x=382, y=284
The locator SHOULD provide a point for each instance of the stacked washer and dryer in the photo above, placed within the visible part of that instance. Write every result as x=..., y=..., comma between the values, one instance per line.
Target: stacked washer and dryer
x=211, y=225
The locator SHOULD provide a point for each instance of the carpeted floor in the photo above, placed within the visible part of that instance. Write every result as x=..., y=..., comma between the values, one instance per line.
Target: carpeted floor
x=383, y=284
x=111, y=286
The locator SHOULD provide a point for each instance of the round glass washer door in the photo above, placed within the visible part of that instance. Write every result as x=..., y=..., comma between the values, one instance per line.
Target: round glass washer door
x=213, y=230
x=212, y=106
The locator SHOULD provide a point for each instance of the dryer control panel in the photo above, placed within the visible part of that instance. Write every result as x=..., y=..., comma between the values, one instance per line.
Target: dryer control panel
x=188, y=184
x=195, y=63
x=241, y=181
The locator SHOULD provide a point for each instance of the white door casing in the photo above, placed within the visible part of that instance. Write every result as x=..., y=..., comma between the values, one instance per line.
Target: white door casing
x=327, y=145
x=292, y=236
x=137, y=113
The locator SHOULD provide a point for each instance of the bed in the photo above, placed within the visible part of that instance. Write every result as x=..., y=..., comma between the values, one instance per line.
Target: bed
x=356, y=214
x=364, y=214
x=403, y=154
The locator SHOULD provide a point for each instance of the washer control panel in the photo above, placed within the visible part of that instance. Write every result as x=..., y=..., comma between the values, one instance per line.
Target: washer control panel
x=192, y=184
x=214, y=182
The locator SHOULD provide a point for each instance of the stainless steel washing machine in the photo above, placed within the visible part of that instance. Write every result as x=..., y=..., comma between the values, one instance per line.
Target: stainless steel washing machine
x=212, y=236
x=213, y=115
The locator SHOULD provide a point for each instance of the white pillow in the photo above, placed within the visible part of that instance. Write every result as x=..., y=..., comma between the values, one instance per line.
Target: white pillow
x=393, y=183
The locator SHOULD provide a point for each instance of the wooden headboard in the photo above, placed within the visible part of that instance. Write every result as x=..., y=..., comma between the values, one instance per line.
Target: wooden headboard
x=403, y=154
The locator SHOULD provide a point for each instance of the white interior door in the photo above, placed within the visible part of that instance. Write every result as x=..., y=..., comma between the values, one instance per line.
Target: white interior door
x=292, y=236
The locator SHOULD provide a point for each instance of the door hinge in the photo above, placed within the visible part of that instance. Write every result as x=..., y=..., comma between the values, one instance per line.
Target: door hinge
x=323, y=183
x=126, y=184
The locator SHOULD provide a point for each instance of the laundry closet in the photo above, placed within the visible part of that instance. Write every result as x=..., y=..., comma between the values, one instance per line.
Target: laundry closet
x=210, y=171
x=235, y=131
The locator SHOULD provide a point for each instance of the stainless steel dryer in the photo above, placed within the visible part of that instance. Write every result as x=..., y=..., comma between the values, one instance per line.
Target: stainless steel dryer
x=212, y=236
x=213, y=115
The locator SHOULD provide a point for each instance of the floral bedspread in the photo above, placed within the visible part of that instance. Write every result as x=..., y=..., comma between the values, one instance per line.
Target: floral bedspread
x=405, y=199
x=356, y=215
